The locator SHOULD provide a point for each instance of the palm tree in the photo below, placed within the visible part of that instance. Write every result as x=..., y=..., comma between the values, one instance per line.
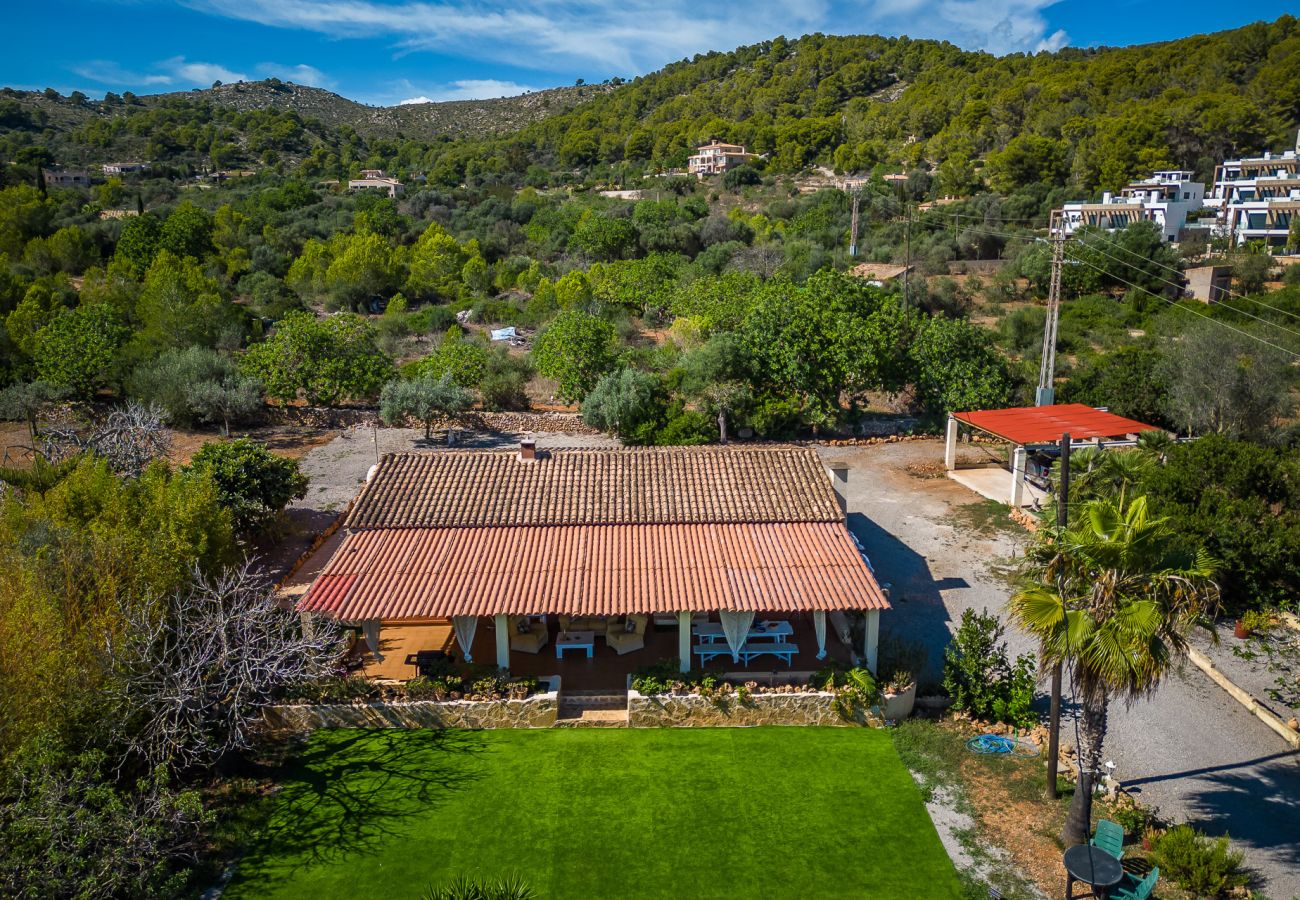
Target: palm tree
x=1112, y=596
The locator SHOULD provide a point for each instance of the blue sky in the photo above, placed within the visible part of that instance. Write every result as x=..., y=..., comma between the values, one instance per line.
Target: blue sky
x=389, y=51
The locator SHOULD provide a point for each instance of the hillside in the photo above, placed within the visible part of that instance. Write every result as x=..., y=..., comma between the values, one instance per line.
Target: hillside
x=1081, y=120
x=36, y=111
x=467, y=118
x=1091, y=117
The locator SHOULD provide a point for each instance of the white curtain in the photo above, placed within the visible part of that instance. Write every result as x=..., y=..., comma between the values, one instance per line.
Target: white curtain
x=736, y=625
x=465, y=626
x=819, y=626
x=370, y=629
x=840, y=623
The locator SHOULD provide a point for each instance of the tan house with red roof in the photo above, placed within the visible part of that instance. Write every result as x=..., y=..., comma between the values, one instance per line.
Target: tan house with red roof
x=715, y=158
x=538, y=547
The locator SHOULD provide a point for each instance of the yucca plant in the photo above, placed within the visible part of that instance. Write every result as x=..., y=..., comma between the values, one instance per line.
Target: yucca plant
x=1113, y=597
x=463, y=887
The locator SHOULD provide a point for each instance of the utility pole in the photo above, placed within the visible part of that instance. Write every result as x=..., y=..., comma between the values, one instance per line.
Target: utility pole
x=1054, y=716
x=907, y=258
x=856, y=193
x=1046, y=394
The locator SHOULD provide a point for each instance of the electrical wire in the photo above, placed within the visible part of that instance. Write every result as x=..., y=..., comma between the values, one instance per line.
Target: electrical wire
x=1179, y=287
x=1176, y=305
x=1176, y=271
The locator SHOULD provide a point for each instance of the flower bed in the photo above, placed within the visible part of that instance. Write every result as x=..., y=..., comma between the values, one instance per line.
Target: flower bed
x=521, y=704
x=658, y=697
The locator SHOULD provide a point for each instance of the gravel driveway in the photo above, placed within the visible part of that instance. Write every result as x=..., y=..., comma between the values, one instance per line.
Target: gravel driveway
x=1189, y=750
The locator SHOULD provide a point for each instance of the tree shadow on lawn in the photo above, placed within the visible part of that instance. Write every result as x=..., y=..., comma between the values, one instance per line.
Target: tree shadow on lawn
x=348, y=792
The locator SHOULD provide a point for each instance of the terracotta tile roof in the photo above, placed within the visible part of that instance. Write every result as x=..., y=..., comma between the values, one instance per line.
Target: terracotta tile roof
x=594, y=570
x=586, y=487
x=1046, y=424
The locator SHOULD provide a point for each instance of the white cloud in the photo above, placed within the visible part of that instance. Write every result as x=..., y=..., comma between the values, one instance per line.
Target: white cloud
x=641, y=35
x=471, y=89
x=199, y=72
x=107, y=72
x=299, y=74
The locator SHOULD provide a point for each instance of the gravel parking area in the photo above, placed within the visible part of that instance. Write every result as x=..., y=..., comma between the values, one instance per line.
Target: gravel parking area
x=1190, y=750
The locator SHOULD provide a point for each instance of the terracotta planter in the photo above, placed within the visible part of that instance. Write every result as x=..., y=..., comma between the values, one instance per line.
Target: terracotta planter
x=1240, y=630
x=899, y=706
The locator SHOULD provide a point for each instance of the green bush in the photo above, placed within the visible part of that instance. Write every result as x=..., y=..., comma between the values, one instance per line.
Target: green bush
x=979, y=677
x=253, y=483
x=1205, y=866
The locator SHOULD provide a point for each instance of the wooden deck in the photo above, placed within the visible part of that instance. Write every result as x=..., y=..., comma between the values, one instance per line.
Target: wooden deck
x=606, y=670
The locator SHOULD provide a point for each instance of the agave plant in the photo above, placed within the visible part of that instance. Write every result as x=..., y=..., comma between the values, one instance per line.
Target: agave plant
x=1112, y=597
x=463, y=887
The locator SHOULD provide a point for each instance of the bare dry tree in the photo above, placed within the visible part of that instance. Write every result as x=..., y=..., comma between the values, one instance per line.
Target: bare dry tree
x=197, y=672
x=128, y=438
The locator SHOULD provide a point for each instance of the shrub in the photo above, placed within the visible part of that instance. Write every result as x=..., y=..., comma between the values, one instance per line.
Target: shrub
x=462, y=887
x=685, y=428
x=505, y=383
x=1202, y=865
x=979, y=675
x=252, y=482
x=627, y=403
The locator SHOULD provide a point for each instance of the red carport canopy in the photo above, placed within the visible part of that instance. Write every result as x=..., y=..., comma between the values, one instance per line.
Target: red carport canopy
x=1046, y=424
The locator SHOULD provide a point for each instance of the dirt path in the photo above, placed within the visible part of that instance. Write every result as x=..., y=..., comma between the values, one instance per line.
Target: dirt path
x=1189, y=750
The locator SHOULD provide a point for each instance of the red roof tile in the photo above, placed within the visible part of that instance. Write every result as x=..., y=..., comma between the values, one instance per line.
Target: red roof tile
x=471, y=488
x=594, y=570
x=1046, y=424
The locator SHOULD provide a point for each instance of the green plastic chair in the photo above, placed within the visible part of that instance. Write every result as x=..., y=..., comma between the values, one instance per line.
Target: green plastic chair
x=1109, y=837
x=1132, y=889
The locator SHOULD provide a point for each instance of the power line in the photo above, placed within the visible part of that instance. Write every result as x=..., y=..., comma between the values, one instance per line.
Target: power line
x=1179, y=287
x=1176, y=305
x=1179, y=272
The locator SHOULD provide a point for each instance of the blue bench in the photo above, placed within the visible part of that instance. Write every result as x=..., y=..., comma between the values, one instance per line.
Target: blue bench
x=784, y=649
x=707, y=652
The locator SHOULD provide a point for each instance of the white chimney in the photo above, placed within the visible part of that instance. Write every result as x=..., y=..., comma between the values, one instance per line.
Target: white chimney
x=840, y=483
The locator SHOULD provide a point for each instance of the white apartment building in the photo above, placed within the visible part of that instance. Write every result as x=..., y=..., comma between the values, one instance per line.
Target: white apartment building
x=371, y=182
x=1165, y=198
x=715, y=158
x=1257, y=197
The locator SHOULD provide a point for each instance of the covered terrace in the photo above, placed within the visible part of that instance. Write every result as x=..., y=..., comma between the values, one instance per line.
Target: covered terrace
x=597, y=602
x=1033, y=434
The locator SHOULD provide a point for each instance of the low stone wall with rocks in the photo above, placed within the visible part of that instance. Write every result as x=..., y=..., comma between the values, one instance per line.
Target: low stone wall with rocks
x=693, y=710
x=537, y=711
x=346, y=417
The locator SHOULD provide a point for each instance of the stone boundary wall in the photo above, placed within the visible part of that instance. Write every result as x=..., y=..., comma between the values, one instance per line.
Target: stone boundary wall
x=345, y=417
x=695, y=711
x=538, y=711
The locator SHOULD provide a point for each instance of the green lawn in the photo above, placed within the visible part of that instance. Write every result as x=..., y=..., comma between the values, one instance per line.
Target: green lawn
x=694, y=812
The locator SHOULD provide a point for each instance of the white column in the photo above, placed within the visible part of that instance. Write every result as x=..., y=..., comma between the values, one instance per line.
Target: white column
x=684, y=640
x=871, y=639
x=1018, y=476
x=950, y=446
x=503, y=641
x=370, y=629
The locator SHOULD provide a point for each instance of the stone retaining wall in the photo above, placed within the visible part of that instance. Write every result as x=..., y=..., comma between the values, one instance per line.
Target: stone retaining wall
x=692, y=710
x=538, y=711
x=331, y=417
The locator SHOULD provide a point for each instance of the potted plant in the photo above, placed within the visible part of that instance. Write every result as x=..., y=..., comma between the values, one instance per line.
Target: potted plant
x=1251, y=621
x=900, y=696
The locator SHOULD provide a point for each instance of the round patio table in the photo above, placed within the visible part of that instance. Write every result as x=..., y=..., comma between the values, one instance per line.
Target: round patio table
x=1094, y=867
